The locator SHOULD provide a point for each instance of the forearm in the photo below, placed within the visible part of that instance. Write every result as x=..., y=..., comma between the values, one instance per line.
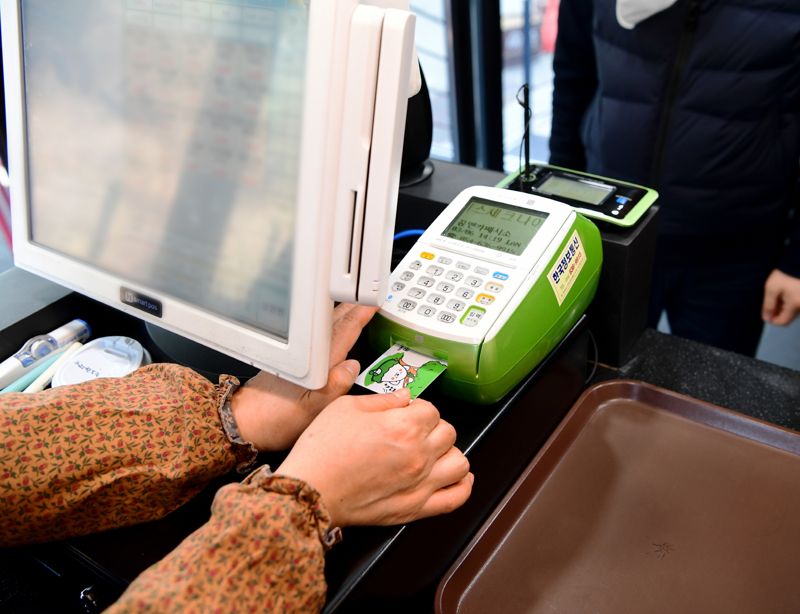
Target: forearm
x=107, y=453
x=262, y=550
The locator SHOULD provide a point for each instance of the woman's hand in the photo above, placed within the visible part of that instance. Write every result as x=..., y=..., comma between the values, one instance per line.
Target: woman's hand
x=271, y=412
x=377, y=459
x=781, y=298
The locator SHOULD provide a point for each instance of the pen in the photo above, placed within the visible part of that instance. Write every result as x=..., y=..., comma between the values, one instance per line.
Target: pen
x=47, y=375
x=39, y=347
x=41, y=366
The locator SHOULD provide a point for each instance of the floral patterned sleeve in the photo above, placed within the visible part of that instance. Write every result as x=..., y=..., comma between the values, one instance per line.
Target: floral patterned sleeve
x=261, y=551
x=107, y=453
x=114, y=452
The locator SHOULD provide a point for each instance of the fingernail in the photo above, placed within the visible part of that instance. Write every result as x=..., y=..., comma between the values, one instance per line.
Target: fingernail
x=352, y=366
x=403, y=394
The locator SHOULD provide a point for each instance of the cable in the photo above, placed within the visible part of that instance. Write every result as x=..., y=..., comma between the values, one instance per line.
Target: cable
x=525, y=134
x=414, y=232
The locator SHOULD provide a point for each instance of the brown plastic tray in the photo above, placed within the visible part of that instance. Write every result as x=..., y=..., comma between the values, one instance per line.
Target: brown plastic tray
x=643, y=500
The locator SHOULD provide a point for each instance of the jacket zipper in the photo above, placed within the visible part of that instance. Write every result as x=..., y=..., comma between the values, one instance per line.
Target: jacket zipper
x=676, y=74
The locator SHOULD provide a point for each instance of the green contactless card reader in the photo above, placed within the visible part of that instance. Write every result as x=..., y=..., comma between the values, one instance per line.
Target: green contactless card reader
x=491, y=287
x=600, y=198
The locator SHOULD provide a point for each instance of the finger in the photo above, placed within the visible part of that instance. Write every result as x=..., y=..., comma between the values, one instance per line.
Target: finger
x=442, y=438
x=422, y=414
x=341, y=309
x=348, y=322
x=450, y=468
x=340, y=380
x=447, y=499
x=770, y=304
x=382, y=402
x=353, y=315
x=784, y=315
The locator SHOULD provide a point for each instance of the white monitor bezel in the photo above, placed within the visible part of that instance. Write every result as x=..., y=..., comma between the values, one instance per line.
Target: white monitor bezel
x=311, y=305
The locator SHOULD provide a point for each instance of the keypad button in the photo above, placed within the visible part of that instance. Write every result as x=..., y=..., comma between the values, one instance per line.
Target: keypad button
x=456, y=305
x=416, y=293
x=499, y=275
x=454, y=276
x=445, y=260
x=463, y=266
x=445, y=287
x=473, y=316
x=446, y=317
x=474, y=282
x=436, y=299
x=398, y=286
x=427, y=311
x=484, y=299
x=465, y=293
x=434, y=270
x=406, y=275
x=416, y=265
x=481, y=270
x=494, y=287
x=426, y=255
x=426, y=282
x=406, y=305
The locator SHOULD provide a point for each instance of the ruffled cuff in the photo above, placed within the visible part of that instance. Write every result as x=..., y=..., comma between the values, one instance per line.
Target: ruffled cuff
x=304, y=494
x=244, y=451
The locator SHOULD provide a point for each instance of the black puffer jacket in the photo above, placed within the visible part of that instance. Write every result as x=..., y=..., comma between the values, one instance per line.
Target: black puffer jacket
x=700, y=101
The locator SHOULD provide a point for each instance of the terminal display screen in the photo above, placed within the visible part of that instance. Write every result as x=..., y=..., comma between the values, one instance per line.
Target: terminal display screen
x=501, y=227
x=583, y=191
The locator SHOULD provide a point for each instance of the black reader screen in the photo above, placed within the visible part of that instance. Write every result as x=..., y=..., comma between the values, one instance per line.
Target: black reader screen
x=582, y=191
x=498, y=226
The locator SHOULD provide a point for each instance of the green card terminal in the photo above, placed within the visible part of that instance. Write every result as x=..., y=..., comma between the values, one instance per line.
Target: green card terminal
x=492, y=286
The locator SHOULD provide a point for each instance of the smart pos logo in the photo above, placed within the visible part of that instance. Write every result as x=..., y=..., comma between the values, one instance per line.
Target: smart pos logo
x=141, y=301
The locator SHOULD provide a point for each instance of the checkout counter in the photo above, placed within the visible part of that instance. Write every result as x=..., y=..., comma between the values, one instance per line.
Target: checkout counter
x=399, y=568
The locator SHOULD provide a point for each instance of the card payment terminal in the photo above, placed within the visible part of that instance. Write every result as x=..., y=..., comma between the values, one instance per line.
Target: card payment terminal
x=609, y=200
x=491, y=287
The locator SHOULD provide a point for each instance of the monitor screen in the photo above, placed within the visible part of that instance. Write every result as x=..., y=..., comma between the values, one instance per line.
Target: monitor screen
x=498, y=226
x=583, y=191
x=164, y=142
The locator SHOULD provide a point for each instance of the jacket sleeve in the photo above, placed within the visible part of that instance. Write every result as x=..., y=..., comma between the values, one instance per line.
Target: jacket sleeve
x=790, y=263
x=107, y=453
x=261, y=551
x=574, y=82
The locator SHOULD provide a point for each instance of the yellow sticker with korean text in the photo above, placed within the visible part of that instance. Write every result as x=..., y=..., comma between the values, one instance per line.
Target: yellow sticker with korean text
x=567, y=268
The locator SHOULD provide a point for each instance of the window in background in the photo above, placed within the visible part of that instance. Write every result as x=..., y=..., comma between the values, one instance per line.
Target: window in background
x=527, y=58
x=432, y=48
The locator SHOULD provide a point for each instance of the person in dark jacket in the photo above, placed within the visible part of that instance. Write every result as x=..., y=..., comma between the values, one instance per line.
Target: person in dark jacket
x=699, y=99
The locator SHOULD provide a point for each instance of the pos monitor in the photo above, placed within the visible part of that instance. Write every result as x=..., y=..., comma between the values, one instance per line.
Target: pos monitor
x=222, y=168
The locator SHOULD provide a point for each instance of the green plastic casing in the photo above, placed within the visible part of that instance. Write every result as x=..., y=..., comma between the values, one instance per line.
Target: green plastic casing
x=485, y=372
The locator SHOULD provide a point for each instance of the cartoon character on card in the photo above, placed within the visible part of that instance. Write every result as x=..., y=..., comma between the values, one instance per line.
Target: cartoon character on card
x=393, y=372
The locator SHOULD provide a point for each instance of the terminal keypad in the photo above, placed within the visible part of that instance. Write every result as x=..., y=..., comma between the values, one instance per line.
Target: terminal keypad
x=454, y=291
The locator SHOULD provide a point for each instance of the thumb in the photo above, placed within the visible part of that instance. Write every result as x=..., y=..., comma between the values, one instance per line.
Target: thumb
x=381, y=402
x=340, y=380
